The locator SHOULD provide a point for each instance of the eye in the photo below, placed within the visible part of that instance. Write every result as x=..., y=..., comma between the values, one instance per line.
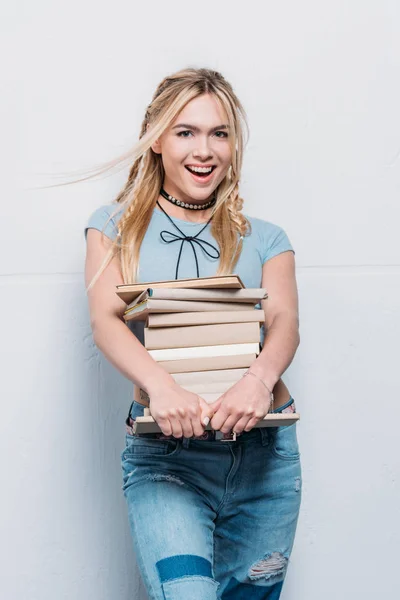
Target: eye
x=181, y=133
x=223, y=134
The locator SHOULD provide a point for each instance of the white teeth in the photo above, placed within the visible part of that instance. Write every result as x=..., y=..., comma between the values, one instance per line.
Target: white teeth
x=200, y=169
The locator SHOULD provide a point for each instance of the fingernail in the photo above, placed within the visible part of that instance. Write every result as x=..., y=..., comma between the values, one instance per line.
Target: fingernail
x=206, y=421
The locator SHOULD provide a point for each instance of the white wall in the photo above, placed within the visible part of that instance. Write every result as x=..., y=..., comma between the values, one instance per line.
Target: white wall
x=320, y=81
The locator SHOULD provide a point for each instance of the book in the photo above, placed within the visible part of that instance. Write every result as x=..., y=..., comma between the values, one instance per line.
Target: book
x=147, y=424
x=207, y=363
x=203, y=351
x=210, y=397
x=127, y=292
x=212, y=387
x=204, y=318
x=141, y=311
x=201, y=335
x=192, y=377
x=250, y=295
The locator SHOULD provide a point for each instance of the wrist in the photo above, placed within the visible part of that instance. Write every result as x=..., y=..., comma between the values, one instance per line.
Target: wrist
x=158, y=381
x=268, y=379
x=262, y=382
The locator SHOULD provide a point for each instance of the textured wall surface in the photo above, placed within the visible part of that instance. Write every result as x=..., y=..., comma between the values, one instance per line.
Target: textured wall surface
x=320, y=83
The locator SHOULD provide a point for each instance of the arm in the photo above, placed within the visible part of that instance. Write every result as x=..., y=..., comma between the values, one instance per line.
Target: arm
x=110, y=333
x=281, y=319
x=177, y=411
x=247, y=401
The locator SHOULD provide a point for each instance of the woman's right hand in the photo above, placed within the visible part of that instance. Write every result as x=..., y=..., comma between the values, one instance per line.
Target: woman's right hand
x=178, y=412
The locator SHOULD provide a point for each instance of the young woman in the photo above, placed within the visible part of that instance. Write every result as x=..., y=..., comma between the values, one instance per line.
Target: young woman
x=209, y=518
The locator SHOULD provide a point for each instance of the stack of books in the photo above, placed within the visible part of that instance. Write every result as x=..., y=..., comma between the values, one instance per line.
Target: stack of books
x=206, y=336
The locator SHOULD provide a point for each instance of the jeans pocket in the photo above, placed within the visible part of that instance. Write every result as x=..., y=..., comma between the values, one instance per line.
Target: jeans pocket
x=284, y=442
x=145, y=447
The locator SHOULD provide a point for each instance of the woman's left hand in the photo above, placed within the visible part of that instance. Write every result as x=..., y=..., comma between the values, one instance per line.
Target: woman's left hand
x=241, y=407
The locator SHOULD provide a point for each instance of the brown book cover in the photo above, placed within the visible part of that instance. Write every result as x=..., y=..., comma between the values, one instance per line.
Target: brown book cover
x=201, y=335
x=208, y=363
x=127, y=292
x=204, y=318
x=141, y=311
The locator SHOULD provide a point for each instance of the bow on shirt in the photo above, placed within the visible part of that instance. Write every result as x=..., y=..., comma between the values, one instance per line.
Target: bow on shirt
x=191, y=239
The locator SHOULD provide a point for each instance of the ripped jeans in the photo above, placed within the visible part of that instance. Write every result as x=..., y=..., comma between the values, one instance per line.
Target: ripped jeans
x=213, y=520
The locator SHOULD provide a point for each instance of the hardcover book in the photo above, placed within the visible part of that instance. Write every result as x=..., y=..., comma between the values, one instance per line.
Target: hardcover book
x=208, y=363
x=127, y=292
x=205, y=318
x=142, y=310
x=203, y=351
x=201, y=335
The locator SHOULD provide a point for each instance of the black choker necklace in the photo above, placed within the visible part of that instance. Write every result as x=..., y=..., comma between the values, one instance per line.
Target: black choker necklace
x=186, y=204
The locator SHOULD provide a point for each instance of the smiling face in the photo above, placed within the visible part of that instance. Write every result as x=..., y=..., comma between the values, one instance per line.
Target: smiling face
x=195, y=150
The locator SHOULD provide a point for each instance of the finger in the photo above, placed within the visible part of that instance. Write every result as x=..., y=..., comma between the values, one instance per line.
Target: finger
x=200, y=419
x=229, y=424
x=197, y=426
x=241, y=424
x=165, y=426
x=216, y=404
x=176, y=427
x=219, y=418
x=184, y=416
x=206, y=412
x=187, y=428
x=251, y=423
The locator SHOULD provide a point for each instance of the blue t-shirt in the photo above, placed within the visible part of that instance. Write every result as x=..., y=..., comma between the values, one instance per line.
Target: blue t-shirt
x=158, y=258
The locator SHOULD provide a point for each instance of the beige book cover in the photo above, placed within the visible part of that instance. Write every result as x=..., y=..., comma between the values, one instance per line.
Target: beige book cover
x=205, y=318
x=202, y=351
x=127, y=292
x=201, y=335
x=214, y=387
x=208, y=363
x=210, y=397
x=141, y=311
x=193, y=377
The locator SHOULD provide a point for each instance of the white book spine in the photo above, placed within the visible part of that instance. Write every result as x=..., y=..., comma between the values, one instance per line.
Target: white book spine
x=201, y=351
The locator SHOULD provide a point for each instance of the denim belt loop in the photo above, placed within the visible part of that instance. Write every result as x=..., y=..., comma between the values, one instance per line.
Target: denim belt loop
x=185, y=442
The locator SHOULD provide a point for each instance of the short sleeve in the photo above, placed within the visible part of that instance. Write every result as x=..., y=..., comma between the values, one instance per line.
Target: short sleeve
x=277, y=242
x=101, y=221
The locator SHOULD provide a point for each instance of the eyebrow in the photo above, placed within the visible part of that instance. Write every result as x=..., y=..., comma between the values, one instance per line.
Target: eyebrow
x=187, y=126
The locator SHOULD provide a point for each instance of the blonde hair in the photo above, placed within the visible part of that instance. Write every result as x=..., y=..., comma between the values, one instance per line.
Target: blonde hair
x=138, y=198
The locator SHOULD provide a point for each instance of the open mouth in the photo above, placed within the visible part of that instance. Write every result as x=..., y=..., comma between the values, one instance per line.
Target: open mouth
x=201, y=173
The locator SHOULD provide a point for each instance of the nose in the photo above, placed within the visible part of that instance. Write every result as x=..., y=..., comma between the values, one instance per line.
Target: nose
x=203, y=149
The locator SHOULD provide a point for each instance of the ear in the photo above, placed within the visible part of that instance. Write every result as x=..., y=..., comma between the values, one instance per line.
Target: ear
x=156, y=147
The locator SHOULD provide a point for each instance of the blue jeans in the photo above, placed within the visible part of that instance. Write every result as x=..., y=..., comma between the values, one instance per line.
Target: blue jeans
x=211, y=519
